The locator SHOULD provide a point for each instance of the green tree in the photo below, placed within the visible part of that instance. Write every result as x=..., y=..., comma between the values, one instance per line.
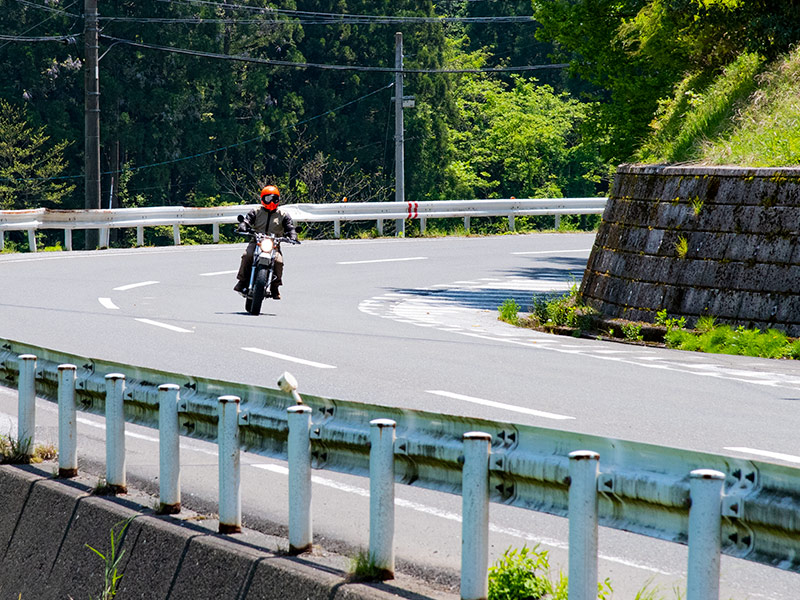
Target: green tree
x=29, y=169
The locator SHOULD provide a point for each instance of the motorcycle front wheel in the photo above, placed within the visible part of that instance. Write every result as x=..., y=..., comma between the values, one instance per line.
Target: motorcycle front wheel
x=259, y=287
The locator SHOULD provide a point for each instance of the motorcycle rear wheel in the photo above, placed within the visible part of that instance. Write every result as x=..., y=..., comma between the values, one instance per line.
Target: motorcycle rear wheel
x=259, y=287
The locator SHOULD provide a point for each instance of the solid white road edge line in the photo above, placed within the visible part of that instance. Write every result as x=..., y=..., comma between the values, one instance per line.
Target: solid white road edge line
x=282, y=470
x=765, y=453
x=381, y=260
x=130, y=286
x=451, y=516
x=500, y=405
x=107, y=303
x=293, y=359
x=552, y=251
x=165, y=326
x=218, y=273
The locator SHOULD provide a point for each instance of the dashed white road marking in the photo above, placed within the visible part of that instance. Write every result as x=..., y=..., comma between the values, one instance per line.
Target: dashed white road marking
x=500, y=405
x=380, y=260
x=294, y=359
x=218, y=273
x=130, y=286
x=165, y=326
x=107, y=303
x=765, y=453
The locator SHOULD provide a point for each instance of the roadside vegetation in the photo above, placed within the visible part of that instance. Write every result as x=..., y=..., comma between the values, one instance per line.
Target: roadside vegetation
x=15, y=451
x=568, y=315
x=526, y=574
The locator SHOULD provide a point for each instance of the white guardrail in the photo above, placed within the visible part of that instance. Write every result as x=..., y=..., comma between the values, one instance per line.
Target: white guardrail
x=104, y=220
x=713, y=503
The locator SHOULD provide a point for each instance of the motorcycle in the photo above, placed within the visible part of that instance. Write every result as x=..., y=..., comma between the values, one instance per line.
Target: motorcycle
x=262, y=273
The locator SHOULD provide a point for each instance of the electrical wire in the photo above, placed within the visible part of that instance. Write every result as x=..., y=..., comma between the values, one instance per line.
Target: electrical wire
x=59, y=38
x=49, y=9
x=304, y=65
x=353, y=17
x=37, y=25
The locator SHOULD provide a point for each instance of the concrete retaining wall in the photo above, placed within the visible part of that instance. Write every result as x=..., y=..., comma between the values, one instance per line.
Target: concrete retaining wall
x=45, y=525
x=742, y=259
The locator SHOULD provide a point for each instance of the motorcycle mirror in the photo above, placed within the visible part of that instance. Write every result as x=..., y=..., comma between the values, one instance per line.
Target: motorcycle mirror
x=240, y=218
x=287, y=382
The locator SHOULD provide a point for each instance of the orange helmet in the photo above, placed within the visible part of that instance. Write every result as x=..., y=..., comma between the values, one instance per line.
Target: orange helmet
x=270, y=197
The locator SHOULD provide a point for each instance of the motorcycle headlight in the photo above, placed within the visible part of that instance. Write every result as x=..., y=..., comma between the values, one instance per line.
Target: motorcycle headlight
x=267, y=245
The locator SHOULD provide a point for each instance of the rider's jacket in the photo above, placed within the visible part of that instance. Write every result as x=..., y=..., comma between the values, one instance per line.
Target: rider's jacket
x=277, y=222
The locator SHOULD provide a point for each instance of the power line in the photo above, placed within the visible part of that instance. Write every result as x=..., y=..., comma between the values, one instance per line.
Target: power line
x=58, y=38
x=304, y=65
x=49, y=9
x=354, y=17
x=38, y=24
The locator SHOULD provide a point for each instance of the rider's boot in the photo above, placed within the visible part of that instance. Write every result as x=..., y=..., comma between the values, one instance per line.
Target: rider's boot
x=274, y=292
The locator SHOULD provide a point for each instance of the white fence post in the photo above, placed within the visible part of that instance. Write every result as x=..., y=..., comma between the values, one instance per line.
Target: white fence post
x=475, y=516
x=583, y=472
x=511, y=224
x=140, y=235
x=423, y=223
x=299, y=454
x=115, y=433
x=381, y=496
x=32, y=240
x=337, y=228
x=705, y=515
x=215, y=232
x=169, y=450
x=67, y=423
x=68, y=239
x=230, y=499
x=26, y=420
x=176, y=234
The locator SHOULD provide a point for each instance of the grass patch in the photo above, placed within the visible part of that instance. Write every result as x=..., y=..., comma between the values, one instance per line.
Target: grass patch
x=509, y=311
x=724, y=339
x=16, y=452
x=364, y=569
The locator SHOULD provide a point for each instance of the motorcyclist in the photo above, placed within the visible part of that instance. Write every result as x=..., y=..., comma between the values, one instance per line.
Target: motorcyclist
x=266, y=219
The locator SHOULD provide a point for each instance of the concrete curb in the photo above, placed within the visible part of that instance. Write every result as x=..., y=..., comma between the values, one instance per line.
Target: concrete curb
x=46, y=524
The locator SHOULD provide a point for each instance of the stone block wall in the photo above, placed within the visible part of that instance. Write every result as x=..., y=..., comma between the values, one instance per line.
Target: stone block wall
x=720, y=241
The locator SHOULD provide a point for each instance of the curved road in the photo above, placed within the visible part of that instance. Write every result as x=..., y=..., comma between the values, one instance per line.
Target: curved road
x=412, y=323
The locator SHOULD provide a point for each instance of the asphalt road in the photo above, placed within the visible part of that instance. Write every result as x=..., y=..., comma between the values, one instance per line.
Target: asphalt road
x=407, y=323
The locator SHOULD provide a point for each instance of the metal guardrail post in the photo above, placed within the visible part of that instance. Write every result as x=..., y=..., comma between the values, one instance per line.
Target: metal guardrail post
x=140, y=235
x=381, y=495
x=32, y=240
x=115, y=433
x=466, y=223
x=67, y=422
x=176, y=234
x=169, y=450
x=379, y=225
x=230, y=499
x=423, y=224
x=705, y=515
x=299, y=455
x=215, y=232
x=511, y=224
x=337, y=228
x=583, y=472
x=26, y=419
x=558, y=222
x=475, y=516
x=68, y=239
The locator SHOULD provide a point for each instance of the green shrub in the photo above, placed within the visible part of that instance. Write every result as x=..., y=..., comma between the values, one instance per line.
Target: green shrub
x=524, y=574
x=509, y=311
x=632, y=332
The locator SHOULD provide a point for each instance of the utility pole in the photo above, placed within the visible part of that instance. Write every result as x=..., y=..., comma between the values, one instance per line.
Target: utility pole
x=399, y=158
x=92, y=113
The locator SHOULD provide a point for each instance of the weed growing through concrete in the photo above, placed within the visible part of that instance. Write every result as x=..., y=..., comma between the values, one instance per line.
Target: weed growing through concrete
x=111, y=560
x=364, y=569
x=14, y=451
x=682, y=247
x=632, y=332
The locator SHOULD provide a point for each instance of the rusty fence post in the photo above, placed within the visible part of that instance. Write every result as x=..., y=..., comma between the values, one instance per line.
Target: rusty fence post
x=26, y=415
x=115, y=433
x=582, y=511
x=230, y=499
x=169, y=450
x=475, y=516
x=705, y=516
x=67, y=422
x=381, y=495
x=299, y=454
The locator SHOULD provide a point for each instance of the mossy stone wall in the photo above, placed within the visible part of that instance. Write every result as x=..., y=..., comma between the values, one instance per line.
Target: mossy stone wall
x=720, y=241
